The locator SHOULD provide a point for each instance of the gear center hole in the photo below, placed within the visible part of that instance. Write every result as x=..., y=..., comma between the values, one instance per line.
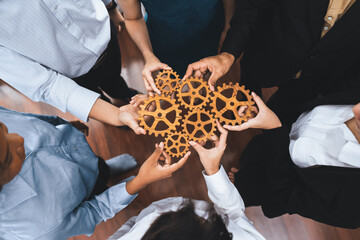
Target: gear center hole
x=159, y=114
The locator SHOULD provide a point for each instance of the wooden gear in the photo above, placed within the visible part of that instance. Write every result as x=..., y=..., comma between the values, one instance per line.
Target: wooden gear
x=160, y=115
x=198, y=124
x=231, y=104
x=176, y=144
x=167, y=81
x=193, y=93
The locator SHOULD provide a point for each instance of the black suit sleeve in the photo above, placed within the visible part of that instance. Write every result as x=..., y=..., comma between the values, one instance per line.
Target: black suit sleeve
x=325, y=194
x=245, y=21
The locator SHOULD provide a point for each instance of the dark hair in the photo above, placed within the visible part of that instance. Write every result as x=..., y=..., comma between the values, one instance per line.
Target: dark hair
x=184, y=224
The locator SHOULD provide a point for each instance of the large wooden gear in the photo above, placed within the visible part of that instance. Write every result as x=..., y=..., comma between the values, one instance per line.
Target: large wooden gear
x=167, y=81
x=176, y=144
x=193, y=93
x=163, y=108
x=228, y=99
x=199, y=125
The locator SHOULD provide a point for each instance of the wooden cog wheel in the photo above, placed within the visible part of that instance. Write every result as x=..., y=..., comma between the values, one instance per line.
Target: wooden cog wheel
x=193, y=93
x=199, y=125
x=166, y=81
x=159, y=114
x=176, y=144
x=226, y=102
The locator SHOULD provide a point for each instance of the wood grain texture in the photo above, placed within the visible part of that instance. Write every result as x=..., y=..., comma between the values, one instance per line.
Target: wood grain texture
x=107, y=141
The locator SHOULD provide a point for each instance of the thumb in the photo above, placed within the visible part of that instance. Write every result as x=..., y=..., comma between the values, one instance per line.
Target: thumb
x=197, y=147
x=258, y=101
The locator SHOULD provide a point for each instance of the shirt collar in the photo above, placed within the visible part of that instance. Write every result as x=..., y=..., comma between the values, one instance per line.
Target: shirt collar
x=14, y=193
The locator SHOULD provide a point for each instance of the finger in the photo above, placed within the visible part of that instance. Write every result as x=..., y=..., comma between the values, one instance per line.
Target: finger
x=167, y=158
x=255, y=109
x=214, y=138
x=175, y=166
x=239, y=128
x=189, y=71
x=199, y=149
x=242, y=110
x=258, y=101
x=156, y=154
x=151, y=82
x=234, y=170
x=212, y=80
x=198, y=74
x=222, y=130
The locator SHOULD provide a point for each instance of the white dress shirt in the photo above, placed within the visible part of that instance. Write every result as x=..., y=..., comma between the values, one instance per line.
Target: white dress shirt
x=44, y=43
x=321, y=137
x=225, y=197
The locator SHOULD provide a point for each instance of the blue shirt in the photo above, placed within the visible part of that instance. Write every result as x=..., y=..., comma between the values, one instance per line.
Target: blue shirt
x=47, y=199
x=44, y=43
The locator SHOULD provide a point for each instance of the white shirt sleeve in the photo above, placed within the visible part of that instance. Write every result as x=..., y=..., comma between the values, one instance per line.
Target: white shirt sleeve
x=227, y=200
x=42, y=84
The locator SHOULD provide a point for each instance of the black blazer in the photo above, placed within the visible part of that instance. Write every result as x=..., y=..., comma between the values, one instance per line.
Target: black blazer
x=281, y=37
x=326, y=194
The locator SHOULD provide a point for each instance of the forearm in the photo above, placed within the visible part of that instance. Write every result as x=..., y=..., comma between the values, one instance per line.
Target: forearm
x=105, y=112
x=135, y=185
x=138, y=32
x=229, y=8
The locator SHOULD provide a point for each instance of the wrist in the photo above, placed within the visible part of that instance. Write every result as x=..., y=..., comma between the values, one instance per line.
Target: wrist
x=227, y=57
x=135, y=185
x=212, y=170
x=149, y=56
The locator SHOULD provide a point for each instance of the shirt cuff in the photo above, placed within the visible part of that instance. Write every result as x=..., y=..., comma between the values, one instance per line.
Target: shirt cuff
x=106, y=2
x=218, y=182
x=81, y=101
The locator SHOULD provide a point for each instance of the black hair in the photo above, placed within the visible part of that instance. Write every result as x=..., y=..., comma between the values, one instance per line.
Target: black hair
x=185, y=224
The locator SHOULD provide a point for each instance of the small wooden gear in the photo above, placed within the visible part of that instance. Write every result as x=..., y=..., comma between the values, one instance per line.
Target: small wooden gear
x=193, y=93
x=167, y=81
x=199, y=125
x=164, y=117
x=176, y=144
x=227, y=100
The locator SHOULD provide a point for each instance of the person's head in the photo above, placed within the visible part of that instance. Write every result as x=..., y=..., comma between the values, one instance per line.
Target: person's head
x=184, y=224
x=12, y=155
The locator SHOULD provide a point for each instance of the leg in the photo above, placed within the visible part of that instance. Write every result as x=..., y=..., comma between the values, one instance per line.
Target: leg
x=103, y=178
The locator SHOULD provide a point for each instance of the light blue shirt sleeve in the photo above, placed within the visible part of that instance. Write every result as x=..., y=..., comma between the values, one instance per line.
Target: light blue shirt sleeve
x=90, y=213
x=42, y=84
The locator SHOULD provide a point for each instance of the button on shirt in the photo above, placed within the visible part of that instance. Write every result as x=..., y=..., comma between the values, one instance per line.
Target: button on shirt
x=47, y=199
x=44, y=43
x=321, y=137
x=222, y=193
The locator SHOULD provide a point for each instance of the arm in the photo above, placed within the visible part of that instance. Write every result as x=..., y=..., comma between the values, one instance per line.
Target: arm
x=136, y=26
x=104, y=206
x=229, y=8
x=242, y=25
x=42, y=84
x=221, y=191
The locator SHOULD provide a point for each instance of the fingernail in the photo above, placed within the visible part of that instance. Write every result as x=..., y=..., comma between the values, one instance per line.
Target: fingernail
x=191, y=143
x=161, y=145
x=254, y=94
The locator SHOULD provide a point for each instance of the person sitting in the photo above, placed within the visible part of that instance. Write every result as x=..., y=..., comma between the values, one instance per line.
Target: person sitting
x=53, y=184
x=180, y=218
x=308, y=168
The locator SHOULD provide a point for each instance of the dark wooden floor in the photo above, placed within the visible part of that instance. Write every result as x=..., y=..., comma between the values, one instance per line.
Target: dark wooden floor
x=107, y=141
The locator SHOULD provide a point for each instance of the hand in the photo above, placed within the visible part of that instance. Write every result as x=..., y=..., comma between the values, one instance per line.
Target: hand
x=81, y=127
x=128, y=115
x=139, y=99
x=265, y=119
x=154, y=169
x=356, y=110
x=210, y=158
x=151, y=65
x=218, y=65
x=117, y=19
